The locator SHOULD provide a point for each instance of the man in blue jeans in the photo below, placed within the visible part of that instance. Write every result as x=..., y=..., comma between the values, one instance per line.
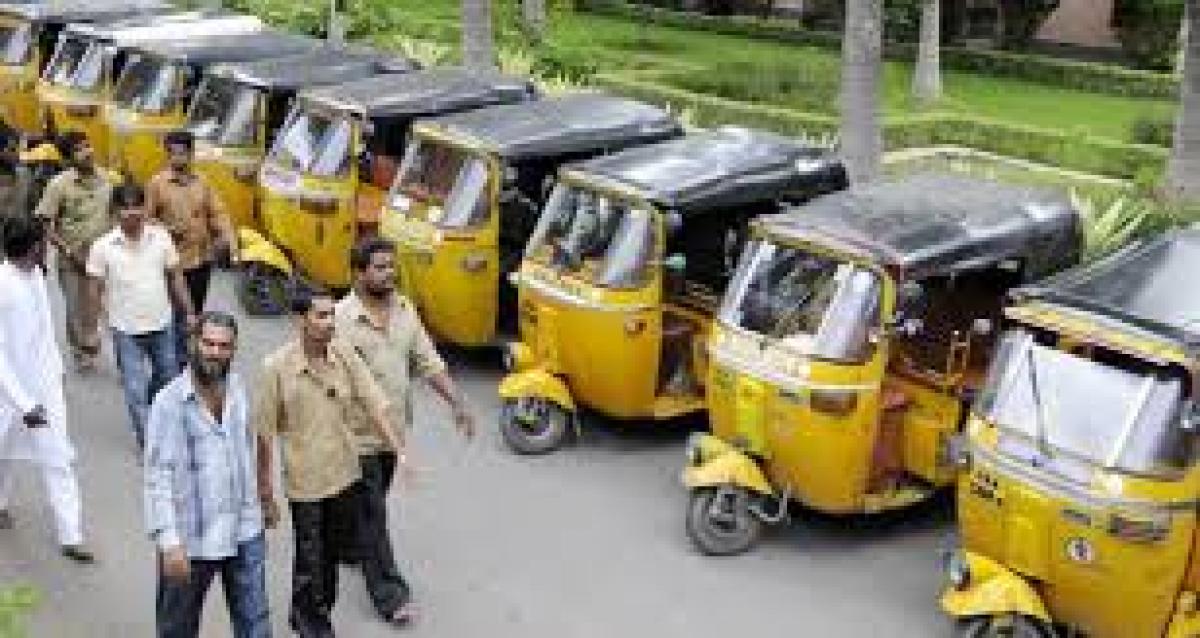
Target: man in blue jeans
x=202, y=506
x=136, y=267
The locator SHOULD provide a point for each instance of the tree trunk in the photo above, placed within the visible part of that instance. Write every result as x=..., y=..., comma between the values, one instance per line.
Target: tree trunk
x=1183, y=169
x=862, y=69
x=533, y=18
x=927, y=78
x=478, y=45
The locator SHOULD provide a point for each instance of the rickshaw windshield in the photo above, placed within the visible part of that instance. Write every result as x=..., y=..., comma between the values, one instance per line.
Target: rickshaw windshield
x=315, y=144
x=1123, y=417
x=64, y=64
x=146, y=85
x=223, y=113
x=450, y=181
x=608, y=241
x=91, y=66
x=16, y=40
x=816, y=305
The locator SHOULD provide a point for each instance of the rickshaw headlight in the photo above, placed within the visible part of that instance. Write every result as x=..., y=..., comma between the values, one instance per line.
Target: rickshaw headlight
x=958, y=571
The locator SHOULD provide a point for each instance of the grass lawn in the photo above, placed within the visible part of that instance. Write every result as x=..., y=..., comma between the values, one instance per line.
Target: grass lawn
x=795, y=76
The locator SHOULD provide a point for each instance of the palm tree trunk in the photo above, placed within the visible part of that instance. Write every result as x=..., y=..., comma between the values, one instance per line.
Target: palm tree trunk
x=1183, y=169
x=478, y=45
x=862, y=69
x=927, y=78
x=533, y=16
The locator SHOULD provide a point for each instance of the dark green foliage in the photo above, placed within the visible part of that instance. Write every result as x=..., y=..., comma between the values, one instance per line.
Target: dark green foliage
x=1149, y=30
x=1157, y=131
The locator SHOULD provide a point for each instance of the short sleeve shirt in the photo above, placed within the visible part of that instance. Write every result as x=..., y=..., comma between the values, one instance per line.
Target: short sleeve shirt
x=190, y=210
x=77, y=206
x=310, y=409
x=135, y=278
x=394, y=353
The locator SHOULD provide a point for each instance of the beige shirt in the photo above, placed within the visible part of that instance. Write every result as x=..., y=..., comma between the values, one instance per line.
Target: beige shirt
x=135, y=278
x=311, y=410
x=77, y=207
x=191, y=212
x=394, y=353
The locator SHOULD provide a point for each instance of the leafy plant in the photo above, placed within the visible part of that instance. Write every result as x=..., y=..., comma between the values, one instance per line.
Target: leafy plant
x=1108, y=225
x=15, y=604
x=1156, y=131
x=1149, y=30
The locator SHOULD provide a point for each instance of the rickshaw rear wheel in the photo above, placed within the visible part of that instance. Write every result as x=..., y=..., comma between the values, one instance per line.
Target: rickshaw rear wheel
x=720, y=522
x=534, y=426
x=1002, y=626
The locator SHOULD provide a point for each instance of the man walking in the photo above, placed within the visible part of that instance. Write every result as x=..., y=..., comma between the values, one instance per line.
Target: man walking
x=136, y=264
x=33, y=411
x=191, y=211
x=75, y=203
x=386, y=332
x=311, y=391
x=202, y=508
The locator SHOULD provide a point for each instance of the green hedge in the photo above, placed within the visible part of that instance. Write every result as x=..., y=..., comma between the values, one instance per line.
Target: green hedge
x=1071, y=74
x=1067, y=150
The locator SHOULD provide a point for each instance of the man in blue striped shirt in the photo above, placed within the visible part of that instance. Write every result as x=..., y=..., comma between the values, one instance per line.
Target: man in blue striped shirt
x=202, y=506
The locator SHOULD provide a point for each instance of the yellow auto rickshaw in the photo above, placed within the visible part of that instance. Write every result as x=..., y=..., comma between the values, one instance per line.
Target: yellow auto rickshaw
x=78, y=79
x=470, y=191
x=332, y=164
x=27, y=35
x=627, y=265
x=1079, y=482
x=240, y=106
x=153, y=92
x=852, y=338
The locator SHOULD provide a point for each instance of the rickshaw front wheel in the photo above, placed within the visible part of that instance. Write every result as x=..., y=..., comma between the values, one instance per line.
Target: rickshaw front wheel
x=1003, y=626
x=534, y=425
x=720, y=521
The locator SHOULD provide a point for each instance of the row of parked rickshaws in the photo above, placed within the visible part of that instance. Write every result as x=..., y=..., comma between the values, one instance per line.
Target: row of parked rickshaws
x=855, y=349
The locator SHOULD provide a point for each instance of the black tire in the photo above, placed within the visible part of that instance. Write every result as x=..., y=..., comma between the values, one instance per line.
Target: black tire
x=722, y=533
x=1004, y=626
x=546, y=432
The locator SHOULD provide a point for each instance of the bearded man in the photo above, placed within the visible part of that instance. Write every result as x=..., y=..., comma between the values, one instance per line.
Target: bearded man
x=201, y=491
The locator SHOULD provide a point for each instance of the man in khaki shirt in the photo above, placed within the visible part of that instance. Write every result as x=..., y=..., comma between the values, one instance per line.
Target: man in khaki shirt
x=189, y=208
x=312, y=391
x=75, y=203
x=387, y=333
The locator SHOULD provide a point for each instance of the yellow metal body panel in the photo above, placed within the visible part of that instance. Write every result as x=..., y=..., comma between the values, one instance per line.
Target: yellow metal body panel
x=253, y=247
x=233, y=175
x=1056, y=536
x=20, y=107
x=993, y=591
x=135, y=142
x=72, y=110
x=722, y=464
x=536, y=383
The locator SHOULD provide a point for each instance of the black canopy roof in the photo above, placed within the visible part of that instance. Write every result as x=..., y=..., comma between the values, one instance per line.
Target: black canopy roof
x=723, y=167
x=214, y=49
x=928, y=225
x=64, y=11
x=108, y=30
x=582, y=123
x=323, y=66
x=1150, y=284
x=422, y=93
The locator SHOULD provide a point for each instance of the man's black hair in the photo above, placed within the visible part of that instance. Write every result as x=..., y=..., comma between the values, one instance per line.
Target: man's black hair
x=8, y=165
x=361, y=254
x=302, y=300
x=22, y=233
x=69, y=143
x=181, y=137
x=219, y=319
x=127, y=195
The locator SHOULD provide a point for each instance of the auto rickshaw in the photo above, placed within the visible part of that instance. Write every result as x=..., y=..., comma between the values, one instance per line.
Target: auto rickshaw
x=152, y=94
x=327, y=176
x=78, y=79
x=627, y=265
x=240, y=106
x=850, y=342
x=1079, y=480
x=27, y=35
x=470, y=190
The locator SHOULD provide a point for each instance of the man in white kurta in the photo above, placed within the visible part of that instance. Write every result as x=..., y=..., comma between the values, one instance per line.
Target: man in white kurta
x=33, y=414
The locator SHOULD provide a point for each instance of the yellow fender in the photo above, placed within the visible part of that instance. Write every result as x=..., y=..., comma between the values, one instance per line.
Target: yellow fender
x=1185, y=623
x=991, y=591
x=253, y=247
x=537, y=383
x=713, y=463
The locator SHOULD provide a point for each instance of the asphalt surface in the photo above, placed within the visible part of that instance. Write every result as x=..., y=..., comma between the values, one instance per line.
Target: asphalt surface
x=588, y=542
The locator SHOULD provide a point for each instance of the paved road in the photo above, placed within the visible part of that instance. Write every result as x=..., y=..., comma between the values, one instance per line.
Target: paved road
x=585, y=543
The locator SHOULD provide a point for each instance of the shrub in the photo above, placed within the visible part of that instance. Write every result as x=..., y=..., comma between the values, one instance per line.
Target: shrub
x=800, y=82
x=1022, y=19
x=15, y=604
x=1155, y=131
x=1149, y=30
